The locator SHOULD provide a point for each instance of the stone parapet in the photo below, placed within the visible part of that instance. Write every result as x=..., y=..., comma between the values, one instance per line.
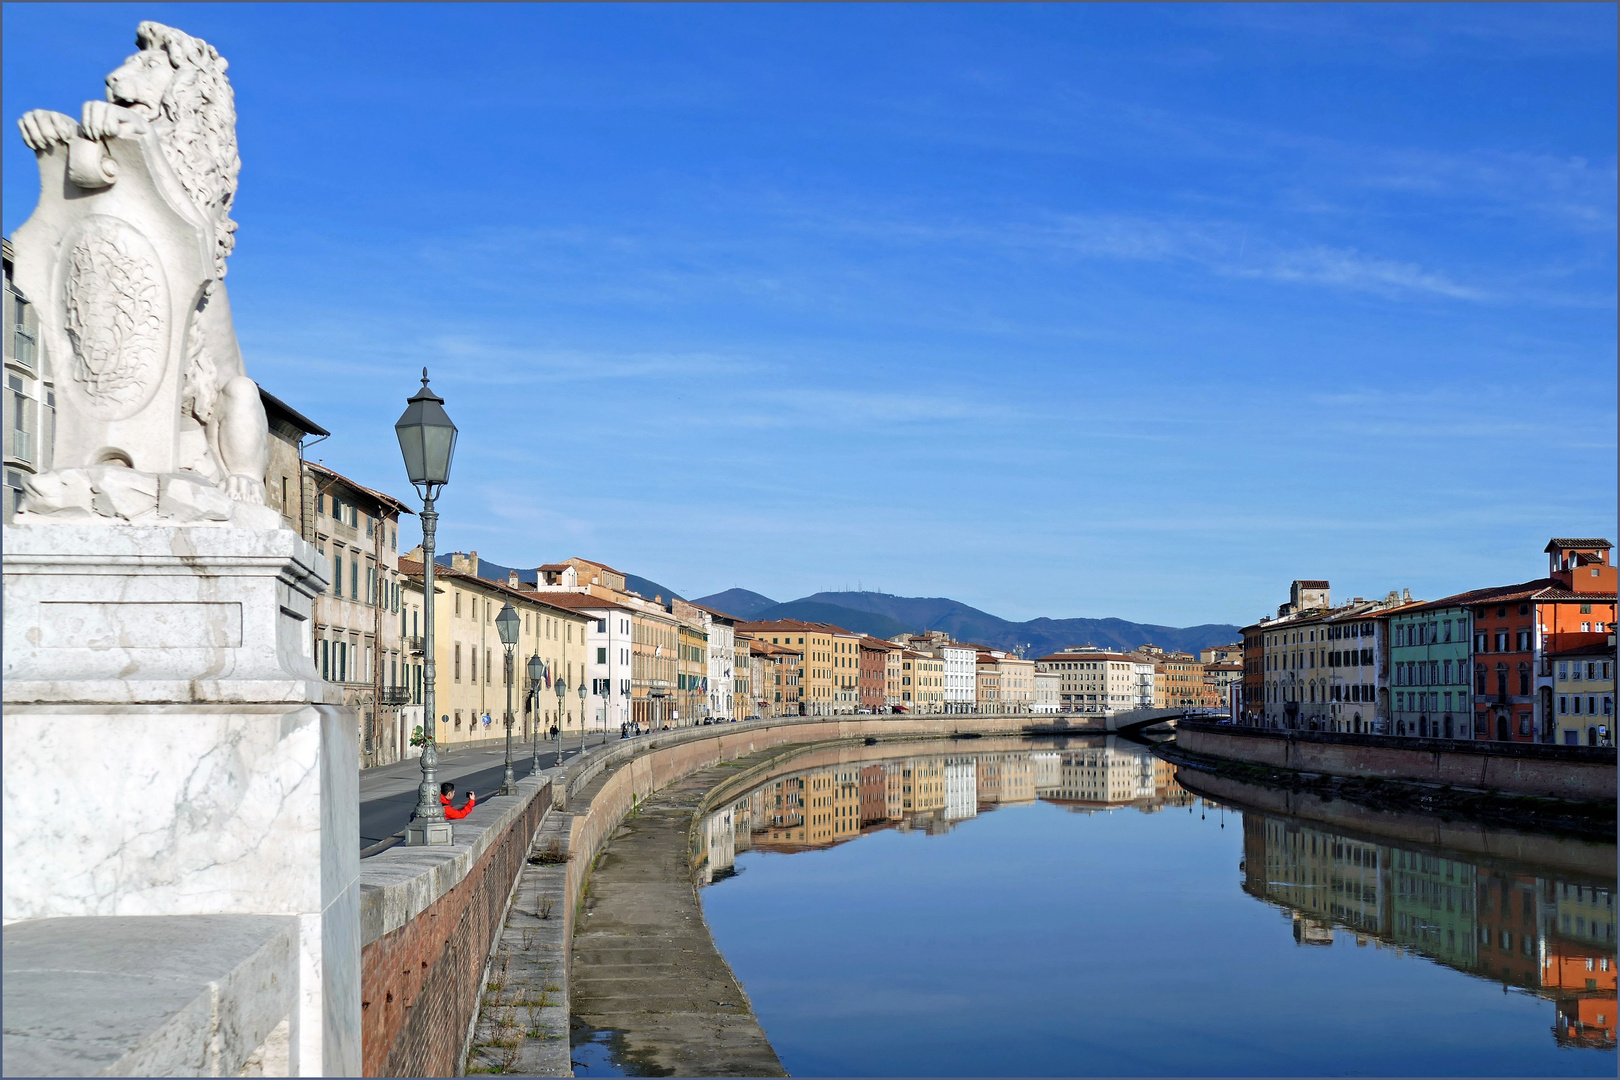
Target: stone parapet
x=429, y=917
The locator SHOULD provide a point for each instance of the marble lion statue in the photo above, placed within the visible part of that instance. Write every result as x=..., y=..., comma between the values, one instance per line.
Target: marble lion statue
x=174, y=91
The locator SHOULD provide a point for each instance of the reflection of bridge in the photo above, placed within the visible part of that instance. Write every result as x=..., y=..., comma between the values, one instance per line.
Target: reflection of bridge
x=1078, y=724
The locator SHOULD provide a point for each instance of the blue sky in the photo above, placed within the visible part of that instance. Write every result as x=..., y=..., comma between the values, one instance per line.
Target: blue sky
x=1118, y=311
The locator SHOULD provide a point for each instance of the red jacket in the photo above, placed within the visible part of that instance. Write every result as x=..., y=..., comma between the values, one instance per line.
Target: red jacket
x=451, y=812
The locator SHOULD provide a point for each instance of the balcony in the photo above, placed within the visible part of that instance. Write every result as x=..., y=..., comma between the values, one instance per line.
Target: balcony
x=413, y=645
x=394, y=695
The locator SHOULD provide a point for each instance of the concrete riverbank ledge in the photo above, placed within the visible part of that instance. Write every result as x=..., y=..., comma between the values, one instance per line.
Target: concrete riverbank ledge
x=1558, y=772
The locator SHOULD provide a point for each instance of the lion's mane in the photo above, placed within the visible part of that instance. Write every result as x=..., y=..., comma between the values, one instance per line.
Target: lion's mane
x=197, y=127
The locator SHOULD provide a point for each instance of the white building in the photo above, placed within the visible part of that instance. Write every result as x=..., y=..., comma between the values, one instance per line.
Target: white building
x=961, y=788
x=608, y=655
x=722, y=658
x=1142, y=672
x=1096, y=682
x=1048, y=692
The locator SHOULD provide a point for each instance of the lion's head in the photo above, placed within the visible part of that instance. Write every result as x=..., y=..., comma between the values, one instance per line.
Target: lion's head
x=177, y=82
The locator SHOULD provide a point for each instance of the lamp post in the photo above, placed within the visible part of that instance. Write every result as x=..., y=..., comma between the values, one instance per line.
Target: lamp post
x=562, y=688
x=582, y=713
x=506, y=624
x=427, y=441
x=537, y=671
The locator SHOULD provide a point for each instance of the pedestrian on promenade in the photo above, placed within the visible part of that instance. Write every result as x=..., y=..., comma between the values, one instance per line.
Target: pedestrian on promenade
x=447, y=794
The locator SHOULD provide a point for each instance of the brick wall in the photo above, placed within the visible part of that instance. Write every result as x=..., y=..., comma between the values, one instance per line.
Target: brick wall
x=1566, y=772
x=421, y=983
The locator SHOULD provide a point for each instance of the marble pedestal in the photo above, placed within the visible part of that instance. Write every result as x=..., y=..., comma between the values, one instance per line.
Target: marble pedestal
x=170, y=749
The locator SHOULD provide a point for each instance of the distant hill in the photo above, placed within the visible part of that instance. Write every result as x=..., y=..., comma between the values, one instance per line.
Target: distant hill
x=739, y=602
x=883, y=616
x=1042, y=636
x=650, y=588
x=862, y=622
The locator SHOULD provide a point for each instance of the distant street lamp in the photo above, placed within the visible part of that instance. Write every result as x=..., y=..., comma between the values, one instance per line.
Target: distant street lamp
x=562, y=689
x=427, y=441
x=537, y=672
x=506, y=624
x=582, y=713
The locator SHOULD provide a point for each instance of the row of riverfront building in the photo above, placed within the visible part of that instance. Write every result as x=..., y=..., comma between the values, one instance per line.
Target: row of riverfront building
x=1531, y=661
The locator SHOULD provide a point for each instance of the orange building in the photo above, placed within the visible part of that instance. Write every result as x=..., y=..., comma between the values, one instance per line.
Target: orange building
x=1516, y=626
x=874, y=672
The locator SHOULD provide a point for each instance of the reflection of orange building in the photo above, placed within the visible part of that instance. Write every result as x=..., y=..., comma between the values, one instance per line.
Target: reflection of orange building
x=1582, y=982
x=874, y=795
x=1506, y=910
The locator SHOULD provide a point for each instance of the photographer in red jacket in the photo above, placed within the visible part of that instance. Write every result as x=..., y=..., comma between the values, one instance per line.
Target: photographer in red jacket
x=447, y=792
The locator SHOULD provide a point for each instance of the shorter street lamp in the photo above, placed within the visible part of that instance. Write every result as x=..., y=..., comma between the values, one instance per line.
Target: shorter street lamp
x=506, y=624
x=562, y=688
x=537, y=672
x=582, y=715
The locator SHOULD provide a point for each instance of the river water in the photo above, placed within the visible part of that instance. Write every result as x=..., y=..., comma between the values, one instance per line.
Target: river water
x=1028, y=908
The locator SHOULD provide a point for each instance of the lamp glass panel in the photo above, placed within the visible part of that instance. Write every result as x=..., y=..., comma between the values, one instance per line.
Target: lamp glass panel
x=506, y=624
x=410, y=448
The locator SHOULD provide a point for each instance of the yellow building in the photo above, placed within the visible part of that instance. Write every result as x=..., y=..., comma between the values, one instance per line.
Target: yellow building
x=471, y=671
x=1017, y=684
x=1582, y=699
x=743, y=704
x=922, y=682
x=825, y=684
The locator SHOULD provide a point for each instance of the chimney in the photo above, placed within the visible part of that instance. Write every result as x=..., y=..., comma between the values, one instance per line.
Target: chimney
x=1406, y=596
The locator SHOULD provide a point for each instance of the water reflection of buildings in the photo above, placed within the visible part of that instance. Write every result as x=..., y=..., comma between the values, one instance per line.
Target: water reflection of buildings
x=1550, y=937
x=824, y=805
x=1108, y=776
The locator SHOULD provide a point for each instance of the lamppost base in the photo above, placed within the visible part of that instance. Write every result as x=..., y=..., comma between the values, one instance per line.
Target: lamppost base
x=428, y=833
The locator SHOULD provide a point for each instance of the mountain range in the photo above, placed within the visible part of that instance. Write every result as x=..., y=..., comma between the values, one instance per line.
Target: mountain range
x=883, y=615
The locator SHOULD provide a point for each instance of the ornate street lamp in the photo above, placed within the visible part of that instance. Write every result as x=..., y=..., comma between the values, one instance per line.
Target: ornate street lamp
x=427, y=440
x=506, y=624
x=562, y=688
x=537, y=672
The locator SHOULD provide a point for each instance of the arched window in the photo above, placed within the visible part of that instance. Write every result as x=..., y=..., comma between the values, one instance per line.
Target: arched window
x=1524, y=678
x=1501, y=679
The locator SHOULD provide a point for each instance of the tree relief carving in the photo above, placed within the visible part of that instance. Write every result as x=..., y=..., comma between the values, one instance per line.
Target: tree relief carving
x=116, y=317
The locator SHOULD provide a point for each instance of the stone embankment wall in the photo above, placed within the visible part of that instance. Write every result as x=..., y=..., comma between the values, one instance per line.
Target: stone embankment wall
x=428, y=919
x=1564, y=772
x=1489, y=844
